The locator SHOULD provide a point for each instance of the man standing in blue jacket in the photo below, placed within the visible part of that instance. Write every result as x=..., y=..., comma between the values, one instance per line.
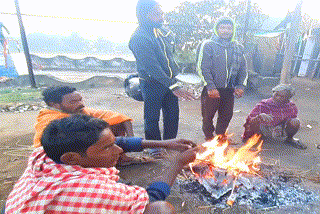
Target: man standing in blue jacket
x=222, y=66
x=152, y=47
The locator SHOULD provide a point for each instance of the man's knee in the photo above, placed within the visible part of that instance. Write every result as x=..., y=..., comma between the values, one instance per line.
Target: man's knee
x=256, y=127
x=160, y=207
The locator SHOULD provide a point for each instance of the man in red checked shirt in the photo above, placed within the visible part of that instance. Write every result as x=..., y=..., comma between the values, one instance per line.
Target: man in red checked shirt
x=73, y=172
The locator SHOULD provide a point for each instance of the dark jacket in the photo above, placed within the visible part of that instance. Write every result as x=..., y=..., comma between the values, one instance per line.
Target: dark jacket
x=153, y=50
x=215, y=64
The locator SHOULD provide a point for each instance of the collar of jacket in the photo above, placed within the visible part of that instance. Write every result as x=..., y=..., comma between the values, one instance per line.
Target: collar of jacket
x=161, y=32
x=222, y=42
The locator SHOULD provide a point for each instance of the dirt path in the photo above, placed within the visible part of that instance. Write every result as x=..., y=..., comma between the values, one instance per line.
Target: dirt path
x=17, y=132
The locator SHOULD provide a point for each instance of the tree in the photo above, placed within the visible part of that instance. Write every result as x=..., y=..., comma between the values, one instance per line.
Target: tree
x=238, y=9
x=309, y=23
x=193, y=22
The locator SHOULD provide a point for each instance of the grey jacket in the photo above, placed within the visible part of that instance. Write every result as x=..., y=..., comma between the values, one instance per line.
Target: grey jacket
x=213, y=66
x=153, y=50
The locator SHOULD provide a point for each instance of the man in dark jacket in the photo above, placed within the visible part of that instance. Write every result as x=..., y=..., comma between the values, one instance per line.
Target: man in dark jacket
x=152, y=47
x=222, y=67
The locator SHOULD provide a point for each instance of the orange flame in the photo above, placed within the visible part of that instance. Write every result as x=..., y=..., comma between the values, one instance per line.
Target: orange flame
x=218, y=154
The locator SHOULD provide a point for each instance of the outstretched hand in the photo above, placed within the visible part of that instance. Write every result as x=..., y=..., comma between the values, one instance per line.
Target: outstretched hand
x=179, y=144
x=187, y=156
x=214, y=93
x=183, y=94
x=238, y=92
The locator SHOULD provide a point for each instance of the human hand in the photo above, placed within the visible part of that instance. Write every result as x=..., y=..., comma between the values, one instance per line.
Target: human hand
x=214, y=93
x=179, y=144
x=266, y=118
x=238, y=92
x=183, y=94
x=187, y=156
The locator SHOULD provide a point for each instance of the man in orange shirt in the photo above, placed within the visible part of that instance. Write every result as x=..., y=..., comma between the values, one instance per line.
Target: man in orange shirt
x=64, y=101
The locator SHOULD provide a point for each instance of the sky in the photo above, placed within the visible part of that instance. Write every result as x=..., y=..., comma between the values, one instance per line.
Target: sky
x=120, y=13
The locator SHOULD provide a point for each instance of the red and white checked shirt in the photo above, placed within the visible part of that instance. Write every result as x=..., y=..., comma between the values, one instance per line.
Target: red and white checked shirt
x=48, y=187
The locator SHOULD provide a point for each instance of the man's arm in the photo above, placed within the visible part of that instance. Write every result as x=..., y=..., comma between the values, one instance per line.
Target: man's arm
x=259, y=114
x=111, y=117
x=135, y=144
x=243, y=78
x=143, y=51
x=204, y=65
x=254, y=113
x=158, y=191
x=294, y=111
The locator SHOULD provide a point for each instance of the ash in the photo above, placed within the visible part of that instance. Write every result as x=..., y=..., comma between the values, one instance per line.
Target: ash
x=270, y=191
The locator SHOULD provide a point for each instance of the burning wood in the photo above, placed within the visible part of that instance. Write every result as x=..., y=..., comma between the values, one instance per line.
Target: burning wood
x=218, y=166
x=218, y=154
x=230, y=175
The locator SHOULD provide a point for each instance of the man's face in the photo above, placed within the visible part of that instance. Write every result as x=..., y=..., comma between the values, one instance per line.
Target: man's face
x=281, y=97
x=156, y=15
x=104, y=153
x=72, y=103
x=225, y=31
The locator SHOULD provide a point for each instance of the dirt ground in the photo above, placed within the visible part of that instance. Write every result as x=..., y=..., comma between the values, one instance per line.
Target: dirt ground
x=17, y=132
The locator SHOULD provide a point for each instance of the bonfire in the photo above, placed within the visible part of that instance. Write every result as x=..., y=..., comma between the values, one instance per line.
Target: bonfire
x=217, y=154
x=229, y=175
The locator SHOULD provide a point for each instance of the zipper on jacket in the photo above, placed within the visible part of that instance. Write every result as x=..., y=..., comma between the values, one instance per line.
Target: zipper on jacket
x=165, y=52
x=227, y=79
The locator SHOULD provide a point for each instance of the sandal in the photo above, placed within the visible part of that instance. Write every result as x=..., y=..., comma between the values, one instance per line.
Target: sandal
x=156, y=153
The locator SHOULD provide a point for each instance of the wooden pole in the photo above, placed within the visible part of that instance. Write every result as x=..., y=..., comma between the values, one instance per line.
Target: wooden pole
x=246, y=25
x=290, y=46
x=25, y=46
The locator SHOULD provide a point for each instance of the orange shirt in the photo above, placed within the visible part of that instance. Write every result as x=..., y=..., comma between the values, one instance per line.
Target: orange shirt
x=47, y=115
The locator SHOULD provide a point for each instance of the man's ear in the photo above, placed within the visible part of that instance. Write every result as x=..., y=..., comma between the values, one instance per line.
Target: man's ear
x=71, y=158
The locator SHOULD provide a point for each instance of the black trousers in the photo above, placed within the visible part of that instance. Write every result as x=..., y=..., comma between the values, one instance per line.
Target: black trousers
x=209, y=107
x=158, y=98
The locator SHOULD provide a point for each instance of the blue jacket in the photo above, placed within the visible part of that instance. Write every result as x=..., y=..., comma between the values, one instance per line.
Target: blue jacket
x=153, y=50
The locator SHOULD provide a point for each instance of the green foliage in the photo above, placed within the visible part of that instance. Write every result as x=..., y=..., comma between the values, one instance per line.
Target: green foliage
x=19, y=95
x=194, y=22
x=308, y=23
x=185, y=56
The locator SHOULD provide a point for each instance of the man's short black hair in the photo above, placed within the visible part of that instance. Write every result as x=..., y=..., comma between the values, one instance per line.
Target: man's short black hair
x=55, y=94
x=71, y=134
